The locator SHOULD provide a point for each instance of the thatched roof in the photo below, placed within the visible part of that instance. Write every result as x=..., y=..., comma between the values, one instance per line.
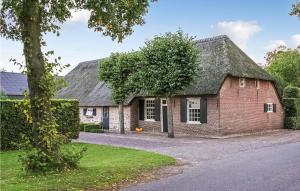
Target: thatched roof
x=219, y=58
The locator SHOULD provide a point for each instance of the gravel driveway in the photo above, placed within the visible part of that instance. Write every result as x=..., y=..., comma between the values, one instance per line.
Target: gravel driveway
x=193, y=150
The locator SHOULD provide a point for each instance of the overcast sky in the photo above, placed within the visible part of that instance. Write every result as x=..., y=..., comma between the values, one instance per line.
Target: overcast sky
x=256, y=26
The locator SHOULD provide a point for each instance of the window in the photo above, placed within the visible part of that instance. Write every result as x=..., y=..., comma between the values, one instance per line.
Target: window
x=257, y=84
x=193, y=110
x=89, y=111
x=269, y=107
x=242, y=82
x=149, y=109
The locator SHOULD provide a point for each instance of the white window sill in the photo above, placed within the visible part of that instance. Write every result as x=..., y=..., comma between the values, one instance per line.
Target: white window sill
x=269, y=111
x=194, y=122
x=150, y=120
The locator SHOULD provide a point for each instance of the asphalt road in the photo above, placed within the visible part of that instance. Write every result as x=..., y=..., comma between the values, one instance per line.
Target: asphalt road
x=271, y=168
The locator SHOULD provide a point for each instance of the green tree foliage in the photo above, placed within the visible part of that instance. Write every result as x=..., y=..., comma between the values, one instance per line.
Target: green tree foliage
x=116, y=72
x=284, y=65
x=295, y=9
x=170, y=65
x=3, y=96
x=28, y=21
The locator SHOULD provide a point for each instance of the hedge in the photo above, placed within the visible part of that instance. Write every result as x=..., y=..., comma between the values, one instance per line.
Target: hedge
x=290, y=107
x=292, y=113
x=14, y=123
x=91, y=127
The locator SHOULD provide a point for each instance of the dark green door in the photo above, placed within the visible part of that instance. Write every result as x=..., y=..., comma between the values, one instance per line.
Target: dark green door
x=105, y=117
x=165, y=118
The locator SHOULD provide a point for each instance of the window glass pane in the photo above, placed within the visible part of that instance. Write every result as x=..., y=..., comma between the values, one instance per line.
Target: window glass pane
x=149, y=109
x=194, y=110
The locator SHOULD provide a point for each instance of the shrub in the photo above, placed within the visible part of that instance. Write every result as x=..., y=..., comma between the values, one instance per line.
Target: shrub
x=290, y=107
x=291, y=92
x=83, y=125
x=96, y=131
x=39, y=162
x=14, y=122
x=91, y=127
x=292, y=122
x=292, y=113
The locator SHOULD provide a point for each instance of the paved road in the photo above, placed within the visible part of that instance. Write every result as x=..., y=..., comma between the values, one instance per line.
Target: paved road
x=268, y=169
x=268, y=162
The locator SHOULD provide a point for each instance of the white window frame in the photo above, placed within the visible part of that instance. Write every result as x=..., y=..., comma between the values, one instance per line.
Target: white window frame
x=89, y=112
x=242, y=82
x=270, y=108
x=188, y=110
x=145, y=109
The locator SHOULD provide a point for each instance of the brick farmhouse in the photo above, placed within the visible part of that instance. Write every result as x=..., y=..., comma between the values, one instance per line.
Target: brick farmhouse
x=231, y=94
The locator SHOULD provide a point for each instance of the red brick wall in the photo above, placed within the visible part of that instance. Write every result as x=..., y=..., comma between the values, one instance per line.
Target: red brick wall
x=242, y=109
x=209, y=128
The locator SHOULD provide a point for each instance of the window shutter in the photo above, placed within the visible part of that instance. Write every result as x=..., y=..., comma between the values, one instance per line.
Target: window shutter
x=265, y=107
x=157, y=110
x=94, y=112
x=183, y=109
x=274, y=107
x=141, y=109
x=203, y=110
x=84, y=111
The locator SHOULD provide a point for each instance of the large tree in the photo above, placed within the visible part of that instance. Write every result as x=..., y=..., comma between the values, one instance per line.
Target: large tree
x=116, y=71
x=29, y=20
x=295, y=9
x=169, y=67
x=284, y=65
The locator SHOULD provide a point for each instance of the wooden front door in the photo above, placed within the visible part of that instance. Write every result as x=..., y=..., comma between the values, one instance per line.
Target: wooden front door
x=105, y=117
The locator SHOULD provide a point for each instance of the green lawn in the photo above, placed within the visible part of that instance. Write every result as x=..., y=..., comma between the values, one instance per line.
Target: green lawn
x=101, y=166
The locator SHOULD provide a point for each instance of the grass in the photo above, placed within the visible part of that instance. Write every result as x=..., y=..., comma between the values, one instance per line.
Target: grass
x=101, y=167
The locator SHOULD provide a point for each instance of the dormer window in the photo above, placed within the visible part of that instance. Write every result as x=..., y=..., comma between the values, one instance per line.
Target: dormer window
x=242, y=82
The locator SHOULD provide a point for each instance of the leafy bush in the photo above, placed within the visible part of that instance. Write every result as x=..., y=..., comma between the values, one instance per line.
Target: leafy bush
x=91, y=127
x=292, y=122
x=39, y=162
x=292, y=113
x=96, y=131
x=14, y=121
x=290, y=107
x=291, y=92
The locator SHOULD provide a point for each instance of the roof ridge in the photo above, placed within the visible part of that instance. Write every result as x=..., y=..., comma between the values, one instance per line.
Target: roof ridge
x=12, y=72
x=89, y=61
x=212, y=38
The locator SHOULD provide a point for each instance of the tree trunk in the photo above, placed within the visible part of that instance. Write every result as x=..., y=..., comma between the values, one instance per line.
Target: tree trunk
x=170, y=102
x=121, y=118
x=39, y=94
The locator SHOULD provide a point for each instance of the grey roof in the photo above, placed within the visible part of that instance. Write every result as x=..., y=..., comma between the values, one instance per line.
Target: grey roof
x=13, y=84
x=219, y=58
x=83, y=84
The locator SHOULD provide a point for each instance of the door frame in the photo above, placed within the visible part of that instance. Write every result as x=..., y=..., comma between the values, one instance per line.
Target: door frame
x=162, y=113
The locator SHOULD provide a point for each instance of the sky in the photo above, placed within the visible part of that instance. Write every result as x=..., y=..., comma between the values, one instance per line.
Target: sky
x=256, y=26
